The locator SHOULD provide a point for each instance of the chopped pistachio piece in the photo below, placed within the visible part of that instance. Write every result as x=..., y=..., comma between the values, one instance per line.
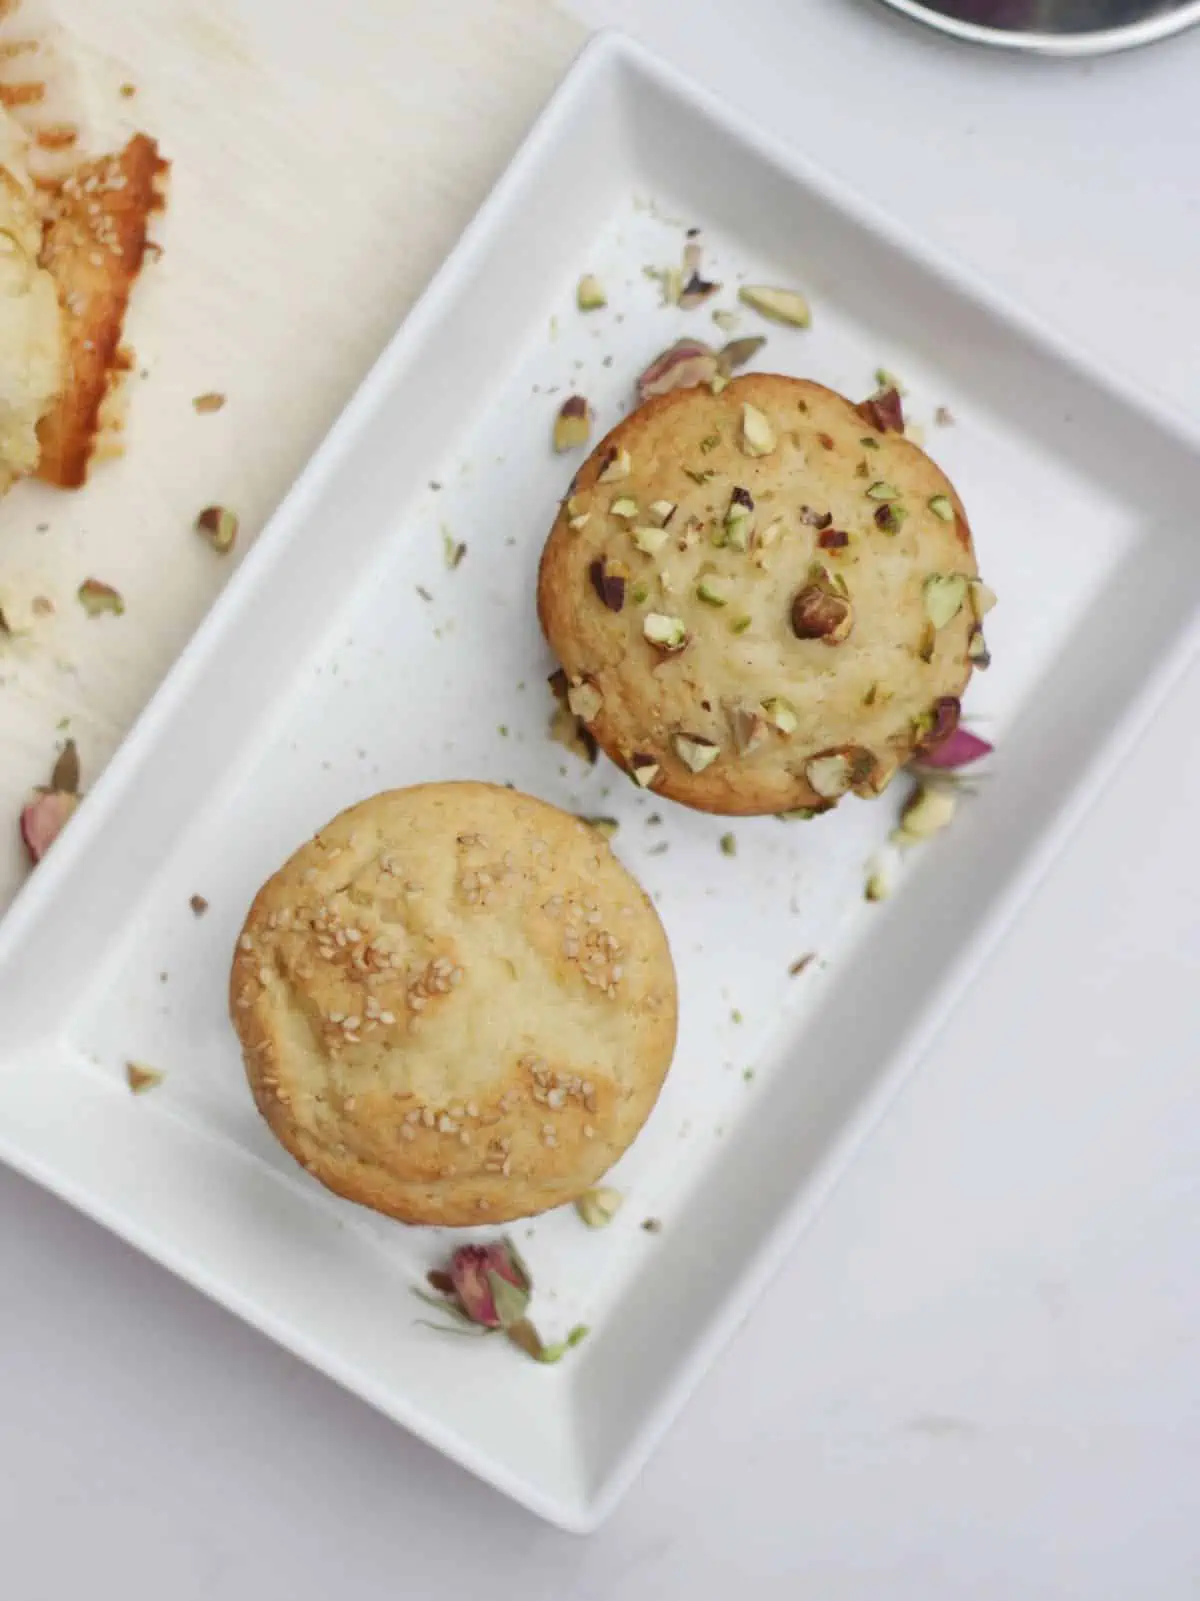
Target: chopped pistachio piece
x=728, y=844
x=589, y=293
x=982, y=598
x=830, y=775
x=695, y=752
x=781, y=714
x=640, y=593
x=598, y=1207
x=767, y=536
x=888, y=380
x=718, y=382
x=819, y=614
x=584, y=699
x=758, y=435
x=141, y=1078
x=787, y=306
x=212, y=400
x=96, y=598
x=649, y=540
x=740, y=623
x=738, y=352
x=879, y=882
x=573, y=425
x=662, y=511
x=944, y=595
x=942, y=506
x=882, y=491
x=607, y=826
x=644, y=769
x=617, y=467
x=749, y=729
x=623, y=507
x=977, y=650
x=726, y=321
x=712, y=590
x=929, y=810
x=927, y=643
x=665, y=633
x=578, y=524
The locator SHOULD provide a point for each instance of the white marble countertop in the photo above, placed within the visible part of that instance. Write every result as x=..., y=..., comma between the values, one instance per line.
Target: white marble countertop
x=980, y=1375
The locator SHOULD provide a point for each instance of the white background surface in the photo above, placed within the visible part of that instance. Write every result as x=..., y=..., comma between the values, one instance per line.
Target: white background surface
x=980, y=1376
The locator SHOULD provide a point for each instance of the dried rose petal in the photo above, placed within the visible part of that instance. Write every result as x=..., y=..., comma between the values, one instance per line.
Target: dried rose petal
x=44, y=818
x=472, y=1271
x=684, y=365
x=958, y=749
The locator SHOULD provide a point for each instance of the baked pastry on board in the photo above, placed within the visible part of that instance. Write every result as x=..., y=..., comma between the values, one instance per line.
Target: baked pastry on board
x=763, y=599
x=455, y=1005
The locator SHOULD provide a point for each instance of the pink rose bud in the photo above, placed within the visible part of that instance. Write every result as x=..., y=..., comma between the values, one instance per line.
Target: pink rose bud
x=471, y=1271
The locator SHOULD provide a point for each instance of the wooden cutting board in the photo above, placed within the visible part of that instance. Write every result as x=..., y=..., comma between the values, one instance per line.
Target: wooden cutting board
x=324, y=158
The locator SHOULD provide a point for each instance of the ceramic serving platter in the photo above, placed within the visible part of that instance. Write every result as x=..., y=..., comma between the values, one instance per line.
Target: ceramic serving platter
x=347, y=656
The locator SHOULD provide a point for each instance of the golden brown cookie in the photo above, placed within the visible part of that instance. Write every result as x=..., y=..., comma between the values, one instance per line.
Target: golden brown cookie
x=762, y=600
x=455, y=1005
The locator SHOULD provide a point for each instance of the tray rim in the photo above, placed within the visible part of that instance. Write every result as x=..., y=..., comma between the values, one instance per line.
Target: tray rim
x=608, y=53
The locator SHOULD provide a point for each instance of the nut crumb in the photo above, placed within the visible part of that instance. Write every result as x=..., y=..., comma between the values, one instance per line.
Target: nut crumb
x=141, y=1078
x=801, y=963
x=211, y=400
x=198, y=904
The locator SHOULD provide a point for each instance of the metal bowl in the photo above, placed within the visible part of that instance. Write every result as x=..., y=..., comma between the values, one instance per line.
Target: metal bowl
x=1056, y=27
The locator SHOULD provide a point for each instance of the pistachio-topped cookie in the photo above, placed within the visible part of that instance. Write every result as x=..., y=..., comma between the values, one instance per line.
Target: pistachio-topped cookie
x=762, y=599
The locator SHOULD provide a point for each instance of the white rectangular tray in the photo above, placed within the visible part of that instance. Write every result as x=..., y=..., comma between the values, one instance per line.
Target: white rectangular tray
x=324, y=675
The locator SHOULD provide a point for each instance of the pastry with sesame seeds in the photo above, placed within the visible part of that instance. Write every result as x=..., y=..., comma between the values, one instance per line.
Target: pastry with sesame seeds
x=455, y=1005
x=31, y=342
x=95, y=243
x=762, y=599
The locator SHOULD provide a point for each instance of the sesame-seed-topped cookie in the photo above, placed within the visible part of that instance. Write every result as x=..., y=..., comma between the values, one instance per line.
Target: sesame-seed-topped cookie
x=455, y=1005
x=762, y=599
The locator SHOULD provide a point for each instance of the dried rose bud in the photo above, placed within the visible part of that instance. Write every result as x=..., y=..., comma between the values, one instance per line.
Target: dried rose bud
x=44, y=818
x=479, y=1274
x=884, y=411
x=684, y=365
x=833, y=539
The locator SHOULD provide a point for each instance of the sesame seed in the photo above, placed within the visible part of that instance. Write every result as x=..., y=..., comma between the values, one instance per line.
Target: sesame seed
x=472, y=1109
x=246, y=943
x=387, y=1017
x=556, y=1099
x=589, y=1133
x=352, y=1022
x=350, y=1102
